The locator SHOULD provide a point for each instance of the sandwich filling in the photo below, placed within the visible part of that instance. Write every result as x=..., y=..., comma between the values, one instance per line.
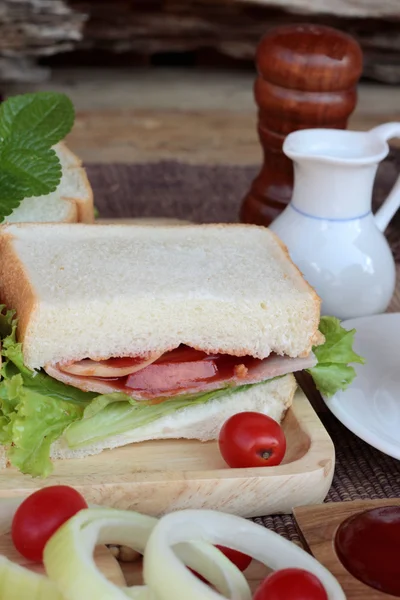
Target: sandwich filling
x=183, y=370
x=87, y=402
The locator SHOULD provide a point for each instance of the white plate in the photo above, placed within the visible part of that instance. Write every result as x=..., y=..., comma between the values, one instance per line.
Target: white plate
x=370, y=407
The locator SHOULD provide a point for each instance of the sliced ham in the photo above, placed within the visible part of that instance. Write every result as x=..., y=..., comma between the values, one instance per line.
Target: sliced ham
x=167, y=377
x=112, y=367
x=87, y=384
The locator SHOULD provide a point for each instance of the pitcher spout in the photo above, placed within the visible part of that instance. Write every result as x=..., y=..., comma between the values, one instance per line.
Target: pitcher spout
x=333, y=178
x=336, y=146
x=334, y=172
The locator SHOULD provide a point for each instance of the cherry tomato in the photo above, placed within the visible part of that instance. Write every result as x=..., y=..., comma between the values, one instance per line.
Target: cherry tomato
x=40, y=515
x=251, y=439
x=291, y=584
x=239, y=559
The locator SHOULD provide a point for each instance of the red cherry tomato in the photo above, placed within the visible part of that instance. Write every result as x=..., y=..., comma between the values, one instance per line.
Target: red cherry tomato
x=40, y=515
x=239, y=559
x=291, y=584
x=251, y=439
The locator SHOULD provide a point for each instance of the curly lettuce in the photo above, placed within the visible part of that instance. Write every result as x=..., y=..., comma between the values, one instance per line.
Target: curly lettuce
x=35, y=409
x=333, y=372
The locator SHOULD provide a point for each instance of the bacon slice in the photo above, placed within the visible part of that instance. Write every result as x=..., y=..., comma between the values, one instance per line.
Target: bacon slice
x=153, y=385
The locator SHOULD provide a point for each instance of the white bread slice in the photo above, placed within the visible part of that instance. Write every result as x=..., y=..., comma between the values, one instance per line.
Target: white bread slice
x=99, y=291
x=71, y=202
x=202, y=422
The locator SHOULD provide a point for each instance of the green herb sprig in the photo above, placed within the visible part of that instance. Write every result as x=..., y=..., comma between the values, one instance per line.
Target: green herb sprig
x=30, y=124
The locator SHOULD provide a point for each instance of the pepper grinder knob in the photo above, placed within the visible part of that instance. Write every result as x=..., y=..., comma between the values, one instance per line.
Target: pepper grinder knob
x=307, y=78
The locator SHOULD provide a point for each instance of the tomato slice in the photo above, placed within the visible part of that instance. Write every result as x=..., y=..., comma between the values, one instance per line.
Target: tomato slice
x=40, y=515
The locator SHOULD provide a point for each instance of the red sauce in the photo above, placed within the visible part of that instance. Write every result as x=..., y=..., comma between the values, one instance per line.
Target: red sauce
x=368, y=545
x=224, y=370
x=225, y=363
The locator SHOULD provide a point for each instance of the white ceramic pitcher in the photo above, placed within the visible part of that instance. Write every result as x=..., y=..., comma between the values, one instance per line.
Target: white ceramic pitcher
x=328, y=227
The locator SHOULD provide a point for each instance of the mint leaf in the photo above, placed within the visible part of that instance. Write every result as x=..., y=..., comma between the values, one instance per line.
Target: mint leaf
x=24, y=173
x=38, y=120
x=7, y=205
x=30, y=124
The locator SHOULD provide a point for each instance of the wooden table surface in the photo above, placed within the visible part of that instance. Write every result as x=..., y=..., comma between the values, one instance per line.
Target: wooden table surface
x=200, y=117
x=197, y=116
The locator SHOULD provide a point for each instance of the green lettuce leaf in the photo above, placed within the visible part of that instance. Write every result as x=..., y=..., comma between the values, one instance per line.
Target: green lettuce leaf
x=36, y=421
x=34, y=408
x=107, y=415
x=332, y=372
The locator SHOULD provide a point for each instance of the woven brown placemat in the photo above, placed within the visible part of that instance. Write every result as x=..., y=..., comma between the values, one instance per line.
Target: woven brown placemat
x=214, y=194
x=361, y=473
x=201, y=193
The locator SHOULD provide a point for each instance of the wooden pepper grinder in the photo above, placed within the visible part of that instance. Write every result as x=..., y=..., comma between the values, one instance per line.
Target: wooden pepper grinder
x=307, y=78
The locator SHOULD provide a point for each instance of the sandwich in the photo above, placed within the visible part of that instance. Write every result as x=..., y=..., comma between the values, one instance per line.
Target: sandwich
x=71, y=202
x=118, y=334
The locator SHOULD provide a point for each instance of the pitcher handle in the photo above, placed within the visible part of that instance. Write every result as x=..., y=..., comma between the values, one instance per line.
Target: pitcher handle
x=386, y=212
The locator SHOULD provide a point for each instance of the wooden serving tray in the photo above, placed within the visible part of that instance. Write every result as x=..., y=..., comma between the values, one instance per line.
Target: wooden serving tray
x=157, y=477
